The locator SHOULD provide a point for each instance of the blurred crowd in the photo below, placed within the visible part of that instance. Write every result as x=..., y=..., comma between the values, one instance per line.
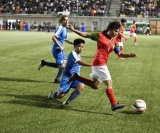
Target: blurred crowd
x=129, y=8
x=140, y=8
x=82, y=7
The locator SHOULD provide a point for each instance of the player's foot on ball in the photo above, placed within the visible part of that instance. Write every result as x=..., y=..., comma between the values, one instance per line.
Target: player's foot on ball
x=52, y=95
x=57, y=81
x=117, y=106
x=72, y=77
x=41, y=64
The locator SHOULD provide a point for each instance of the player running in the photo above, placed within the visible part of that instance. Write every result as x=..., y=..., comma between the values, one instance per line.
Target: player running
x=120, y=36
x=106, y=43
x=133, y=32
x=58, y=53
x=73, y=65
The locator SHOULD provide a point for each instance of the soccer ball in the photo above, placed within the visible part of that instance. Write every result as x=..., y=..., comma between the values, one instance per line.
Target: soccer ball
x=139, y=106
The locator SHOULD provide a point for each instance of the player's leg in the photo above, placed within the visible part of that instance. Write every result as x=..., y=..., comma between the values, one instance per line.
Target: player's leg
x=63, y=89
x=135, y=38
x=61, y=62
x=111, y=96
x=60, y=72
x=121, y=48
x=105, y=76
x=45, y=63
x=54, y=95
x=78, y=89
x=94, y=84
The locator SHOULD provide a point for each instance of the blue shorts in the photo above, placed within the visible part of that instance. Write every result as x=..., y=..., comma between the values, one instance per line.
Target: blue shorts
x=59, y=56
x=65, y=87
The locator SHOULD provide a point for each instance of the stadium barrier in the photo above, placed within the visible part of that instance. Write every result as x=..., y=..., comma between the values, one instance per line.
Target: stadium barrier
x=90, y=23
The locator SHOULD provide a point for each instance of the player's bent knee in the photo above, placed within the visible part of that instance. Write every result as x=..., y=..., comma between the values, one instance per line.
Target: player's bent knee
x=96, y=86
x=80, y=87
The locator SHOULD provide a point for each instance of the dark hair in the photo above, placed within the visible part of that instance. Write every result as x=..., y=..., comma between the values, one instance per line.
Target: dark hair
x=123, y=20
x=111, y=26
x=134, y=22
x=62, y=18
x=78, y=41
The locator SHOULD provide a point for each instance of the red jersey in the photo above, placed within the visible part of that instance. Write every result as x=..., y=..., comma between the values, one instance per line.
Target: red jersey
x=104, y=48
x=133, y=28
x=119, y=37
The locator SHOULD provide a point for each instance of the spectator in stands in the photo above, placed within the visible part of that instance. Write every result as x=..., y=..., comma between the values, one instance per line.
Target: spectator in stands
x=128, y=7
x=21, y=24
x=0, y=9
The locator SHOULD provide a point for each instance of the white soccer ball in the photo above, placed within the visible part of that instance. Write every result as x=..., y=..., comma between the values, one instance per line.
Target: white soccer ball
x=139, y=106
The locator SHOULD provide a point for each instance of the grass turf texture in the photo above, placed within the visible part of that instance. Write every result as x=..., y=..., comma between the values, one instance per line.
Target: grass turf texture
x=23, y=98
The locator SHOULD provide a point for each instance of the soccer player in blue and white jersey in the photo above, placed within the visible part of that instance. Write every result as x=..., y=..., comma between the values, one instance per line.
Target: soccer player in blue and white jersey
x=73, y=65
x=58, y=38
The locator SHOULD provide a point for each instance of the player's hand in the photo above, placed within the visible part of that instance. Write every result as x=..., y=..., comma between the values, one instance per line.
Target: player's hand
x=61, y=48
x=70, y=27
x=132, y=55
x=127, y=38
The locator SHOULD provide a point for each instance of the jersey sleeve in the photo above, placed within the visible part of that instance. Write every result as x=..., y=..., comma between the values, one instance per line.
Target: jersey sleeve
x=94, y=36
x=75, y=56
x=58, y=31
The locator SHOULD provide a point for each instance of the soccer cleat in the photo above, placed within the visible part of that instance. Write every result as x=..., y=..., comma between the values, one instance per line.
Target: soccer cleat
x=117, y=106
x=72, y=77
x=52, y=95
x=41, y=64
x=56, y=81
x=135, y=43
x=65, y=104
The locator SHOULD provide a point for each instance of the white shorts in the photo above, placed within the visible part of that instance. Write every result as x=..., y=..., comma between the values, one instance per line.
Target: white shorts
x=133, y=34
x=101, y=73
x=120, y=44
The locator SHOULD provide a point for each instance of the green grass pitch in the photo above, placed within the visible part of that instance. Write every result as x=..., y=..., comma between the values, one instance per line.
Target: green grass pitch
x=24, y=107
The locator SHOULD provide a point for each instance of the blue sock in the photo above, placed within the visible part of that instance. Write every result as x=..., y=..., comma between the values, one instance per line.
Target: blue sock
x=74, y=95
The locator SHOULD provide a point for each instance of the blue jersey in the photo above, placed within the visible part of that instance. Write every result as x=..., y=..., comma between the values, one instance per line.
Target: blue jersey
x=72, y=66
x=61, y=34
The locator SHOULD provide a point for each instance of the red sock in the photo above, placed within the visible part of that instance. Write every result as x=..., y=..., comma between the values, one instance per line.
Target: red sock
x=110, y=95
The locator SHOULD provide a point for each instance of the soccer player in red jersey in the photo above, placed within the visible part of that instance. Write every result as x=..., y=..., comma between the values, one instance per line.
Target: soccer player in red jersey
x=133, y=32
x=120, y=36
x=106, y=43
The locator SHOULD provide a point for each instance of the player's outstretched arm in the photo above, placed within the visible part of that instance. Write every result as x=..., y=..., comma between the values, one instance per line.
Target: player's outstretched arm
x=83, y=63
x=83, y=34
x=68, y=41
x=117, y=51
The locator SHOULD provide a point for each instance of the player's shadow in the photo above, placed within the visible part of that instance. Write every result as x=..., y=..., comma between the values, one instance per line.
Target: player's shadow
x=88, y=111
x=20, y=80
x=43, y=102
x=33, y=100
x=130, y=112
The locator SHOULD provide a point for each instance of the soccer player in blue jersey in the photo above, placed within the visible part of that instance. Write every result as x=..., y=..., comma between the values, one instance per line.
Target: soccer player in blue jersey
x=73, y=65
x=58, y=53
